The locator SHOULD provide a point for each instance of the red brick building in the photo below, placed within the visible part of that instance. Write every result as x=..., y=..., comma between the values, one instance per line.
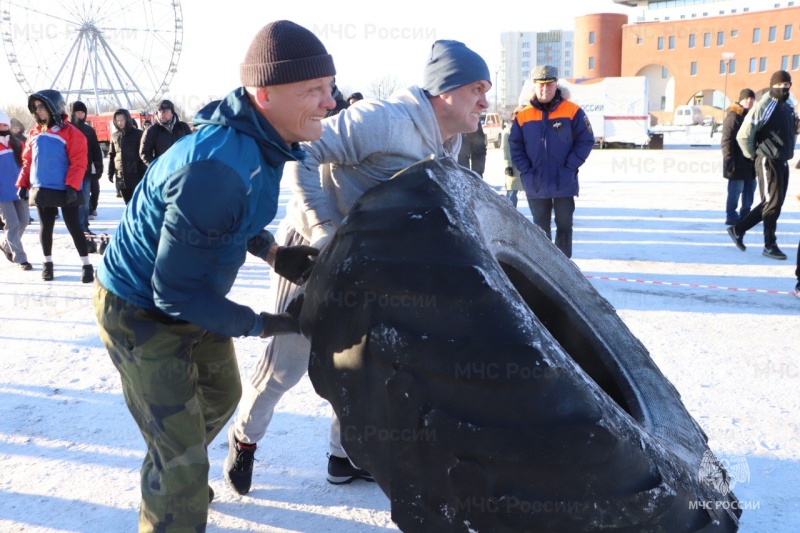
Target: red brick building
x=700, y=60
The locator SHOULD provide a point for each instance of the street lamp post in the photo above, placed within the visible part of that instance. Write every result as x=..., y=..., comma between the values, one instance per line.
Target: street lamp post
x=726, y=56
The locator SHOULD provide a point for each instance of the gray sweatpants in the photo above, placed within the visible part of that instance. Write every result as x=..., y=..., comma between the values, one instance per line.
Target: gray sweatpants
x=17, y=216
x=282, y=364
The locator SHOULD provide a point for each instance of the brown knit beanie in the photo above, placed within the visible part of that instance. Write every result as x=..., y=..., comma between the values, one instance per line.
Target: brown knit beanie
x=285, y=52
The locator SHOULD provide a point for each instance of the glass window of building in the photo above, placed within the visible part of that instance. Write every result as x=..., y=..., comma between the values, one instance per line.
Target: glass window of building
x=591, y=63
x=672, y=42
x=707, y=40
x=732, y=67
x=752, y=64
x=785, y=63
x=773, y=33
x=660, y=43
x=691, y=40
x=720, y=38
x=526, y=63
x=795, y=61
x=787, y=32
x=639, y=40
x=664, y=72
x=591, y=37
x=734, y=33
x=526, y=45
x=722, y=66
x=762, y=64
x=756, y=35
x=694, y=68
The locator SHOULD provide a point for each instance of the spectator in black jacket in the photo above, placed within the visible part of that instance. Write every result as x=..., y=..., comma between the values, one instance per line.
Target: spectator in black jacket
x=94, y=169
x=473, y=151
x=341, y=103
x=125, y=167
x=158, y=138
x=739, y=170
x=355, y=97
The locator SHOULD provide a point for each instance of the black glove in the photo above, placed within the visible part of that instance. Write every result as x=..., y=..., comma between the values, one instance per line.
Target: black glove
x=71, y=197
x=295, y=262
x=260, y=244
x=280, y=324
x=509, y=171
x=22, y=193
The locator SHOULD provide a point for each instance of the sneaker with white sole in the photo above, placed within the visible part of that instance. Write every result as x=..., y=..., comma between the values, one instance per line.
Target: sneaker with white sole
x=773, y=252
x=341, y=471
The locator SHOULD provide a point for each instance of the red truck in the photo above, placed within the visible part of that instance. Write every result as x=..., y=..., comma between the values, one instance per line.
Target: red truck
x=103, y=125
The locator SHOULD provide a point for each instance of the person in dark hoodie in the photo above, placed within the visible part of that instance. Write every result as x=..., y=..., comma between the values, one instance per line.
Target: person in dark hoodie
x=341, y=103
x=159, y=137
x=473, y=151
x=736, y=168
x=125, y=167
x=59, y=181
x=768, y=135
x=161, y=298
x=94, y=167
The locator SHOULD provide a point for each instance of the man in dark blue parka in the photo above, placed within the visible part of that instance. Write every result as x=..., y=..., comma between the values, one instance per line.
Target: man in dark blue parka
x=161, y=298
x=550, y=139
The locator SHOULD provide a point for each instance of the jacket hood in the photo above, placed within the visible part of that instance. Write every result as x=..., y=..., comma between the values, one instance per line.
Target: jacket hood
x=236, y=112
x=419, y=108
x=128, y=119
x=737, y=108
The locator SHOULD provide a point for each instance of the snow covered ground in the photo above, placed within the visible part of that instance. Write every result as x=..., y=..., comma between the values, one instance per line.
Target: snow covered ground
x=70, y=452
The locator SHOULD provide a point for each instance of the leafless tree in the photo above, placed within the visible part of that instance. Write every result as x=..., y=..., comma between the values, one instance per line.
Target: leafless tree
x=383, y=87
x=21, y=113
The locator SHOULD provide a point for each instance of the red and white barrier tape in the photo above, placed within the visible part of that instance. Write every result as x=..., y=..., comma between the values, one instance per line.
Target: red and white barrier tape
x=690, y=285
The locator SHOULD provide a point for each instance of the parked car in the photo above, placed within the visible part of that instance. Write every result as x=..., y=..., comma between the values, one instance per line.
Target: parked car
x=493, y=128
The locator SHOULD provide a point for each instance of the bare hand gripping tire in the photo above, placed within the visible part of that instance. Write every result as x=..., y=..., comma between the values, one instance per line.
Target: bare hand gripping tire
x=486, y=385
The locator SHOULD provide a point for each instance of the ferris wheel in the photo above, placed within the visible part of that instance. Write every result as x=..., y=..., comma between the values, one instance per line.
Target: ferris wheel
x=107, y=53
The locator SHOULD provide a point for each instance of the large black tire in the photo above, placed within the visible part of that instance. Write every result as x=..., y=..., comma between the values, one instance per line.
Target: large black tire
x=485, y=383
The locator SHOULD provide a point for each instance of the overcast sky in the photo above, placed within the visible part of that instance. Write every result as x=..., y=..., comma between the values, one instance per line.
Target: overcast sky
x=367, y=39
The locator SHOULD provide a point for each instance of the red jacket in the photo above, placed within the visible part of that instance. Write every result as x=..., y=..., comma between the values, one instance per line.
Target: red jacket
x=64, y=151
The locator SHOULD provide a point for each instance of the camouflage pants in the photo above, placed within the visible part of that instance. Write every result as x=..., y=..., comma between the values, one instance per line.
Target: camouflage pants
x=181, y=384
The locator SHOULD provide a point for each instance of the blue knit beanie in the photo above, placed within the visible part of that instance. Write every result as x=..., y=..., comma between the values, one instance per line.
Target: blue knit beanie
x=453, y=65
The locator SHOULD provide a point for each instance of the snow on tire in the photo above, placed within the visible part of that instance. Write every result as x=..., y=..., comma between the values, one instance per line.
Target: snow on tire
x=485, y=383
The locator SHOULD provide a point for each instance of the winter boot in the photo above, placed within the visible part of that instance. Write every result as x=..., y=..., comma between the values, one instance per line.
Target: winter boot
x=88, y=274
x=47, y=271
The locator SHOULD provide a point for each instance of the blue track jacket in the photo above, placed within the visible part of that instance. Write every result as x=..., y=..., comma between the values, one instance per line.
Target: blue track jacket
x=183, y=236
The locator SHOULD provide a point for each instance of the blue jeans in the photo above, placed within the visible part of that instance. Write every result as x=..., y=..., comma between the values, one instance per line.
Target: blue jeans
x=512, y=195
x=84, y=210
x=736, y=188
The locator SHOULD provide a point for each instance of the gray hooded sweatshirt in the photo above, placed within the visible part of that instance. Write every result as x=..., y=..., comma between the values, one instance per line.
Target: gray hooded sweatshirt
x=361, y=147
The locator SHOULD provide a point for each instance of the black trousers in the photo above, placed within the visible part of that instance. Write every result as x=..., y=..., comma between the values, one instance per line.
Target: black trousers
x=47, y=217
x=773, y=180
x=542, y=209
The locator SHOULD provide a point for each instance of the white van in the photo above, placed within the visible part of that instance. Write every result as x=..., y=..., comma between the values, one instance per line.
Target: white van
x=493, y=128
x=688, y=115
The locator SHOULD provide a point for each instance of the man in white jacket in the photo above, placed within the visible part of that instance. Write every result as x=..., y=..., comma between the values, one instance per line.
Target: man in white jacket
x=361, y=147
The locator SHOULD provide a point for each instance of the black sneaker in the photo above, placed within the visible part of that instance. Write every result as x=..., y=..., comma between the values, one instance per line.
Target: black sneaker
x=238, y=468
x=26, y=266
x=737, y=239
x=773, y=252
x=88, y=274
x=341, y=471
x=47, y=271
